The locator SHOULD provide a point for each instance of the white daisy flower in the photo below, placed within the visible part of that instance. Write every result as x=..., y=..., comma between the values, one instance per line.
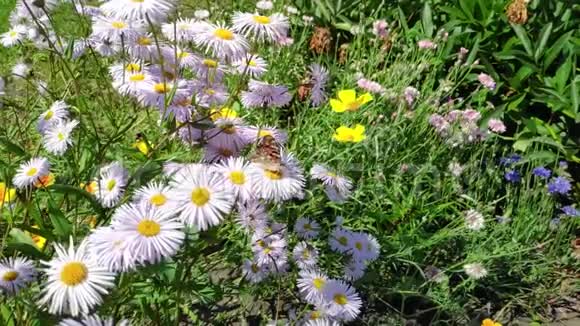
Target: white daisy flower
x=277, y=185
x=254, y=272
x=200, y=196
x=152, y=234
x=15, y=274
x=228, y=133
x=13, y=36
x=265, y=5
x=58, y=111
x=475, y=270
x=170, y=168
x=109, y=248
x=262, y=28
x=341, y=240
x=155, y=11
x=306, y=228
x=201, y=14
x=305, y=255
x=337, y=187
x=311, y=284
x=292, y=10
x=252, y=215
x=182, y=29
x=75, y=281
x=155, y=194
x=253, y=66
x=456, y=169
x=255, y=133
x=364, y=246
x=143, y=47
x=111, y=184
x=57, y=138
x=343, y=300
x=132, y=83
x=268, y=247
x=322, y=322
x=354, y=270
x=235, y=177
x=120, y=71
x=156, y=92
x=222, y=42
x=21, y=70
x=219, y=153
x=30, y=172
x=117, y=30
x=474, y=220
x=93, y=320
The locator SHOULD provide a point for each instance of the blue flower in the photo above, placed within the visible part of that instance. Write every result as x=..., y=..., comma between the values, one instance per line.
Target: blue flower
x=563, y=164
x=570, y=211
x=542, y=172
x=510, y=159
x=513, y=176
x=559, y=185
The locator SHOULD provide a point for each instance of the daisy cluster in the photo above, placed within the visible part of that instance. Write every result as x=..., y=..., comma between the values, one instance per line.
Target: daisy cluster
x=461, y=127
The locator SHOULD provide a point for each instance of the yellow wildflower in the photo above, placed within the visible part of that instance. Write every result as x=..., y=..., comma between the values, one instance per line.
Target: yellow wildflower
x=7, y=195
x=223, y=113
x=45, y=181
x=489, y=322
x=90, y=187
x=348, y=101
x=345, y=134
x=38, y=240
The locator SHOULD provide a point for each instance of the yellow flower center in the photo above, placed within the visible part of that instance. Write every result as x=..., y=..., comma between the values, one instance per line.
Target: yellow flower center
x=358, y=246
x=252, y=63
x=137, y=77
x=306, y=254
x=262, y=19
x=223, y=34
x=342, y=240
x=60, y=136
x=318, y=283
x=111, y=184
x=182, y=55
x=331, y=174
x=148, y=228
x=31, y=172
x=340, y=299
x=314, y=315
x=10, y=276
x=137, y=1
x=229, y=130
x=74, y=273
x=158, y=199
x=210, y=63
x=307, y=227
x=261, y=243
x=48, y=115
x=13, y=34
x=183, y=26
x=255, y=268
x=144, y=40
x=160, y=88
x=352, y=106
x=225, y=152
x=264, y=133
x=200, y=196
x=238, y=177
x=118, y=25
x=133, y=67
x=273, y=175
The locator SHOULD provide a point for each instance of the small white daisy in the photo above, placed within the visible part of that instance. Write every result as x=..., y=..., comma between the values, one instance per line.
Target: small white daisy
x=21, y=70
x=57, y=138
x=305, y=255
x=201, y=197
x=253, y=66
x=306, y=228
x=30, y=172
x=15, y=274
x=344, y=302
x=155, y=11
x=364, y=246
x=354, y=270
x=337, y=187
x=111, y=184
x=474, y=220
x=93, y=320
x=253, y=271
x=156, y=194
x=341, y=240
x=252, y=215
x=282, y=184
x=58, y=111
x=235, y=176
x=265, y=5
x=475, y=270
x=311, y=285
x=222, y=42
x=117, y=30
x=13, y=36
x=75, y=281
x=260, y=27
x=268, y=248
x=152, y=234
x=201, y=14
x=109, y=248
x=182, y=29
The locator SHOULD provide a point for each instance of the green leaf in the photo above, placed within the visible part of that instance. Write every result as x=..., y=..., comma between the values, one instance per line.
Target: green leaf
x=467, y=7
x=66, y=189
x=403, y=20
x=427, y=20
x=62, y=226
x=523, y=73
x=23, y=243
x=12, y=147
x=575, y=100
x=541, y=45
x=562, y=74
x=522, y=144
x=553, y=52
x=524, y=39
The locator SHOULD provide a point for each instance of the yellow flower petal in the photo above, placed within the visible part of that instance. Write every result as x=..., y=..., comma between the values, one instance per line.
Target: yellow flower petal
x=365, y=98
x=359, y=129
x=337, y=106
x=347, y=96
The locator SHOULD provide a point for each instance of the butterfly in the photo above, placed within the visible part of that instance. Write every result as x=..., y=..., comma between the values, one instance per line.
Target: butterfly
x=267, y=154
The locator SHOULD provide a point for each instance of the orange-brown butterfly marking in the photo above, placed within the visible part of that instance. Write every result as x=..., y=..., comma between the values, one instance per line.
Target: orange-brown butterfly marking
x=268, y=154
